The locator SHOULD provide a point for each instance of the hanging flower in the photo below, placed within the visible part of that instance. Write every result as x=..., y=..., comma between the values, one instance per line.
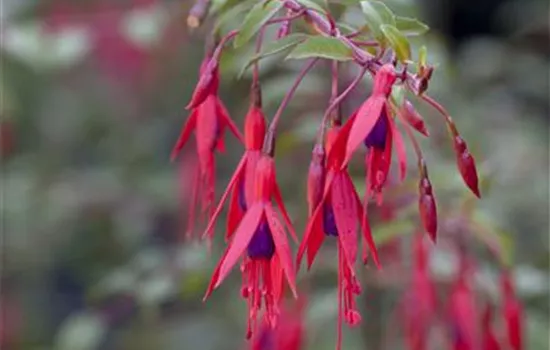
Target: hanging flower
x=513, y=313
x=463, y=311
x=267, y=256
x=288, y=333
x=336, y=214
x=418, y=306
x=241, y=184
x=490, y=341
x=208, y=119
x=373, y=125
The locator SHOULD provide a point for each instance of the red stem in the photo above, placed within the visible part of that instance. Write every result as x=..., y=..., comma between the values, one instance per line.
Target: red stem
x=269, y=141
x=339, y=99
x=287, y=18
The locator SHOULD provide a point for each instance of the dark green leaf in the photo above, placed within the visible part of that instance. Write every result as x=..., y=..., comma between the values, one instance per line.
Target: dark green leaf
x=275, y=47
x=323, y=47
x=377, y=14
x=255, y=19
x=410, y=26
x=347, y=2
x=311, y=4
x=233, y=13
x=397, y=41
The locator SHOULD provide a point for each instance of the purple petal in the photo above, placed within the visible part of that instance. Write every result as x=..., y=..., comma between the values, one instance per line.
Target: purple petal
x=377, y=137
x=329, y=224
x=261, y=245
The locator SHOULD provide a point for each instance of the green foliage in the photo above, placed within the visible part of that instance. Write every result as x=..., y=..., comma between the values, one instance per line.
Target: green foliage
x=312, y=5
x=397, y=41
x=410, y=26
x=323, y=47
x=255, y=19
x=227, y=15
x=377, y=14
x=275, y=47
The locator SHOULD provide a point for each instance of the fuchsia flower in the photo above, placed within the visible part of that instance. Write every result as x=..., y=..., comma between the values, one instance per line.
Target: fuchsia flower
x=418, y=306
x=336, y=212
x=287, y=335
x=373, y=125
x=490, y=341
x=268, y=254
x=208, y=119
x=513, y=313
x=463, y=312
x=241, y=185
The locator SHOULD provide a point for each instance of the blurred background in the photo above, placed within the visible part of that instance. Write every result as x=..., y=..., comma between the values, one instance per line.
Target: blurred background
x=93, y=212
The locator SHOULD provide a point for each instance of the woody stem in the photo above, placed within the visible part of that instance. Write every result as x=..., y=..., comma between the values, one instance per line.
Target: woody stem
x=197, y=13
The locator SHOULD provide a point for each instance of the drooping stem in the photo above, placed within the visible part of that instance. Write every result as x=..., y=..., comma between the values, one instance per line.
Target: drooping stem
x=334, y=76
x=222, y=43
x=336, y=102
x=442, y=111
x=416, y=146
x=256, y=71
x=270, y=136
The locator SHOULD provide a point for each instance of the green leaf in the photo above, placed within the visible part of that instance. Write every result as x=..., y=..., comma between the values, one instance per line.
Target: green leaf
x=345, y=28
x=422, y=57
x=398, y=42
x=347, y=2
x=233, y=13
x=323, y=47
x=410, y=26
x=312, y=5
x=255, y=19
x=377, y=14
x=275, y=47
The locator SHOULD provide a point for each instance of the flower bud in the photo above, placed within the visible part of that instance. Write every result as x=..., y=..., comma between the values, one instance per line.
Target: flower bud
x=409, y=113
x=466, y=164
x=427, y=207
